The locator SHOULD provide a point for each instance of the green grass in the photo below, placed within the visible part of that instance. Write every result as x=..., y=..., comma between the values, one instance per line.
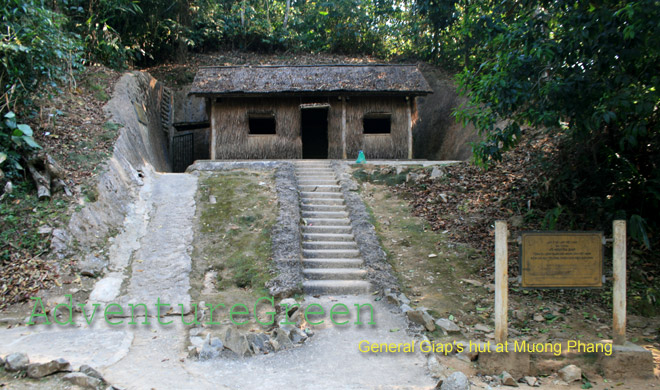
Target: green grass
x=21, y=215
x=236, y=231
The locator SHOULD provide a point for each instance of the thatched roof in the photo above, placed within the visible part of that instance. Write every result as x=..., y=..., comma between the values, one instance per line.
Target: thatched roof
x=310, y=80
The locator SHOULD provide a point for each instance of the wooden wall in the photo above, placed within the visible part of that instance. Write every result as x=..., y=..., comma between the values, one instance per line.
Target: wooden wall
x=233, y=141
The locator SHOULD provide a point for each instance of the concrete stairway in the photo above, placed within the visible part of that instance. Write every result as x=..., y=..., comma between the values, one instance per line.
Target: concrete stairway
x=331, y=259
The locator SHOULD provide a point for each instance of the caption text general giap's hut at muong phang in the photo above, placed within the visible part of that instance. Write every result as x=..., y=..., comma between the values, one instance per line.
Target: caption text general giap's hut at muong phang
x=320, y=111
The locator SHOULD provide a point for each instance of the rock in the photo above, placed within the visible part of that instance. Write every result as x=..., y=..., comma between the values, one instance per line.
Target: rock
x=280, y=340
x=16, y=362
x=292, y=306
x=447, y=325
x=538, y=317
x=59, y=242
x=421, y=317
x=456, y=381
x=520, y=315
x=91, y=266
x=473, y=282
x=404, y=299
x=637, y=322
x=258, y=343
x=212, y=199
x=405, y=308
x=482, y=328
x=507, y=379
x=89, y=371
x=570, y=373
x=531, y=381
x=208, y=352
x=82, y=380
x=297, y=336
x=197, y=341
x=436, y=172
x=235, y=341
x=436, y=369
x=393, y=299
x=467, y=356
x=40, y=370
x=45, y=229
x=444, y=197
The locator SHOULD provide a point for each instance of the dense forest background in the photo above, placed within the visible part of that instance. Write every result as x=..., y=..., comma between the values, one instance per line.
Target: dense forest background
x=585, y=72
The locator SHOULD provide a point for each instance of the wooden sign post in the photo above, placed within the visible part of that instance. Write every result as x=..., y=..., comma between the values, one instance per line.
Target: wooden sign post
x=501, y=282
x=561, y=260
x=619, y=274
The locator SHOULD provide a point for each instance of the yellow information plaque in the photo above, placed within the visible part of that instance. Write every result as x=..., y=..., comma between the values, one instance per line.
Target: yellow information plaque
x=561, y=260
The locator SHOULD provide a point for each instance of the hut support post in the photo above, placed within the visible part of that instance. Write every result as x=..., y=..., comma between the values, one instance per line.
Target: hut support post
x=410, y=138
x=343, y=129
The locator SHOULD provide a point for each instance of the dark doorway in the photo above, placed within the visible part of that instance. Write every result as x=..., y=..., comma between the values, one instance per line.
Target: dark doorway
x=314, y=129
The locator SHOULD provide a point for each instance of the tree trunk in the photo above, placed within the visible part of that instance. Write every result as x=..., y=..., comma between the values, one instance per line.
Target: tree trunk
x=286, y=13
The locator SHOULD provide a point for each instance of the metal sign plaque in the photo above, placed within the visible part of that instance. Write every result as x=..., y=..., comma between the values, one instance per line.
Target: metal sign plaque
x=561, y=259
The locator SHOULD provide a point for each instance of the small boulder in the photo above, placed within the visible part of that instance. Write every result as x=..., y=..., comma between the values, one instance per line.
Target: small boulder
x=282, y=340
x=89, y=371
x=447, y=325
x=82, y=380
x=570, y=373
x=258, y=343
x=436, y=369
x=40, y=370
x=235, y=341
x=92, y=266
x=467, y=356
x=531, y=381
x=456, y=381
x=16, y=362
x=297, y=336
x=482, y=328
x=436, y=172
x=423, y=318
x=508, y=380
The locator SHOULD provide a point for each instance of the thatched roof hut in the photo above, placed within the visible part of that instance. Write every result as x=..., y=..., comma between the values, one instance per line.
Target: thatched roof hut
x=320, y=111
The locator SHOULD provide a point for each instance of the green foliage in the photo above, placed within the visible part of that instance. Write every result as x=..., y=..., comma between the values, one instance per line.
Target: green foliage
x=15, y=141
x=587, y=73
x=35, y=50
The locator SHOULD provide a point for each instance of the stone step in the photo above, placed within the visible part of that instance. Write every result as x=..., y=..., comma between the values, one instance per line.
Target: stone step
x=330, y=253
x=314, y=170
x=323, y=201
x=326, y=229
x=321, y=195
x=316, y=182
x=334, y=273
x=325, y=214
x=332, y=263
x=316, y=176
x=319, y=188
x=323, y=207
x=343, y=245
x=326, y=222
x=336, y=287
x=328, y=237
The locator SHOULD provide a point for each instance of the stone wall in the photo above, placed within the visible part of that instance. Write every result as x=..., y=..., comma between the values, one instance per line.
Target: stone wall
x=140, y=150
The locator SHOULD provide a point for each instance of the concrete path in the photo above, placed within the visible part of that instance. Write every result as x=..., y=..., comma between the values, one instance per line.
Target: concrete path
x=157, y=243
